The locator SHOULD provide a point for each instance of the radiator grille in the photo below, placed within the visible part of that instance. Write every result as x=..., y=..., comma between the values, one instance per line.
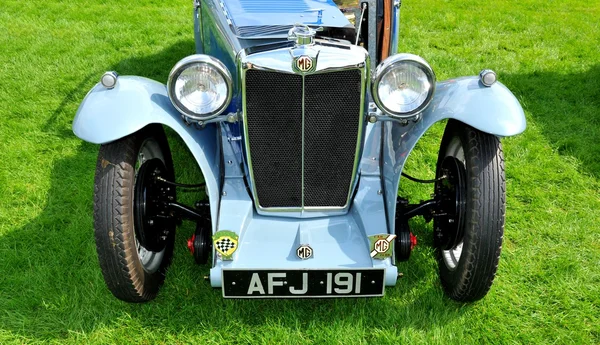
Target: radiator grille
x=331, y=120
x=274, y=115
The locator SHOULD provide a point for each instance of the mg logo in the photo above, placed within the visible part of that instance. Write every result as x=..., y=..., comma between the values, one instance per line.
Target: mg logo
x=304, y=63
x=381, y=246
x=304, y=252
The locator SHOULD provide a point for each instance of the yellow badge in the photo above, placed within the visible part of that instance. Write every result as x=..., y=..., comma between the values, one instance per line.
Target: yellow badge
x=225, y=243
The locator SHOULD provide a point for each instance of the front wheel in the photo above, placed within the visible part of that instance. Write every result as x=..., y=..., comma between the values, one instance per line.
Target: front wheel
x=134, y=233
x=469, y=229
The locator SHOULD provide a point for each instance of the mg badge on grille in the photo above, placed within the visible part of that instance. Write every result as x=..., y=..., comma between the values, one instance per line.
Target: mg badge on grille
x=304, y=252
x=304, y=63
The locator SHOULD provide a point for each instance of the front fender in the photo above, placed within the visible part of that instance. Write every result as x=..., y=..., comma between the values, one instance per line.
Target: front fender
x=494, y=110
x=107, y=115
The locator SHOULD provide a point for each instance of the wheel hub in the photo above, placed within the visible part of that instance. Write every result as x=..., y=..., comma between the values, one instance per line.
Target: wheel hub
x=450, y=192
x=200, y=245
x=152, y=217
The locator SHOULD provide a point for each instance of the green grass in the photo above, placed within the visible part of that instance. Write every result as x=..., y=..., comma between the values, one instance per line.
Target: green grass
x=548, y=284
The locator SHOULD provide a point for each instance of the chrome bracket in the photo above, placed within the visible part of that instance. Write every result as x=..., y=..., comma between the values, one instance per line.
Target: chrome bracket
x=230, y=117
x=375, y=114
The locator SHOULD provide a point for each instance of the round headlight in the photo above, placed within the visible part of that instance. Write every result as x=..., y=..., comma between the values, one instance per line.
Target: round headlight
x=403, y=85
x=200, y=87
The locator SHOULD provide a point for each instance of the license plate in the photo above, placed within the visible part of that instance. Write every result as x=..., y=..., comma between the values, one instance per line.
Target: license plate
x=251, y=283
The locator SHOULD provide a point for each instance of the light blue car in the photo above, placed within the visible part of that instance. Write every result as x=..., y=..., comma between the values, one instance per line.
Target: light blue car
x=301, y=116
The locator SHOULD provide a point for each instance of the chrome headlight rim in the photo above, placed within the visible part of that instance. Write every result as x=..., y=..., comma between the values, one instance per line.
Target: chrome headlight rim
x=187, y=62
x=390, y=63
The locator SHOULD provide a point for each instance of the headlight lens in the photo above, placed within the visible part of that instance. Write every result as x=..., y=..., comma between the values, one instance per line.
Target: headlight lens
x=403, y=85
x=200, y=87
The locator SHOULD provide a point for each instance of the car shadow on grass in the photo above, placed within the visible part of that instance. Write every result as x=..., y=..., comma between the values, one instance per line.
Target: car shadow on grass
x=55, y=290
x=566, y=108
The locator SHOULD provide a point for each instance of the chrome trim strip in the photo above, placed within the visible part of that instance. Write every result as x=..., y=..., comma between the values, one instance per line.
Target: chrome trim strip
x=328, y=59
x=302, y=149
x=395, y=27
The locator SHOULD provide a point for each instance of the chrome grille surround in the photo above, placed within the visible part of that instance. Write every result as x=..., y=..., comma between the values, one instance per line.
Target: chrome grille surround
x=328, y=58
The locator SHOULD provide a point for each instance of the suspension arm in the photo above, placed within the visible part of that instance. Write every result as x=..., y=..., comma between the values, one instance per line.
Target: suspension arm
x=425, y=209
x=186, y=212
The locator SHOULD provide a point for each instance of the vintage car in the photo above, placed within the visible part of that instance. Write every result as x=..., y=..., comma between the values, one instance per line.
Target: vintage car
x=301, y=115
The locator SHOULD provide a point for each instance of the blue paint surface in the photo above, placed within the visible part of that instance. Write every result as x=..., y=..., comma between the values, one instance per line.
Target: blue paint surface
x=279, y=6
x=278, y=14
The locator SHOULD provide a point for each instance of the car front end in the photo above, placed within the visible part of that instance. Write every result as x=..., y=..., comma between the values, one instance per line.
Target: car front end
x=301, y=123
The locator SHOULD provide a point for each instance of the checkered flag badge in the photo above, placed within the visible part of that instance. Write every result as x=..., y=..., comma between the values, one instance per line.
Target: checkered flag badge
x=225, y=244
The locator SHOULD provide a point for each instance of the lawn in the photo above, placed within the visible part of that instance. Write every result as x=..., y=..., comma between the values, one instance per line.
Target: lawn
x=548, y=285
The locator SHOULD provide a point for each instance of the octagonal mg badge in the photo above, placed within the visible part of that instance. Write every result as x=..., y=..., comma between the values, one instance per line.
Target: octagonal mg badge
x=304, y=63
x=304, y=252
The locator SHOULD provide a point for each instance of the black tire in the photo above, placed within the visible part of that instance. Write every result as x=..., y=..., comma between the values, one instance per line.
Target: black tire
x=483, y=210
x=118, y=162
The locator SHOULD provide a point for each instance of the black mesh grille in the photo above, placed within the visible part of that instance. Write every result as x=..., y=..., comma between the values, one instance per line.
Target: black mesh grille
x=331, y=123
x=274, y=115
